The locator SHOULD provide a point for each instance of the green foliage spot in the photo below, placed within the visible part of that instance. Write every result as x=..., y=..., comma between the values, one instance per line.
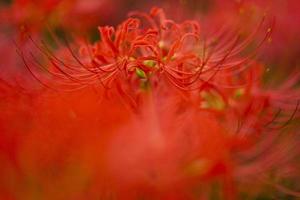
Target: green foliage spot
x=140, y=73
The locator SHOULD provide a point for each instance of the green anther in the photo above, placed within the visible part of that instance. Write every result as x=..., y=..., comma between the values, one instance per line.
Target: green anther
x=164, y=59
x=239, y=93
x=149, y=63
x=140, y=73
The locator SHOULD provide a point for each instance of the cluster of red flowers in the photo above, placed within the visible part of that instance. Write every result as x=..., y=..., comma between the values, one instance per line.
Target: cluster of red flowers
x=154, y=109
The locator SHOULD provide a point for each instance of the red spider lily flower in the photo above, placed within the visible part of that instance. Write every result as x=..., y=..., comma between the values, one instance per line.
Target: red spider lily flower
x=153, y=110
